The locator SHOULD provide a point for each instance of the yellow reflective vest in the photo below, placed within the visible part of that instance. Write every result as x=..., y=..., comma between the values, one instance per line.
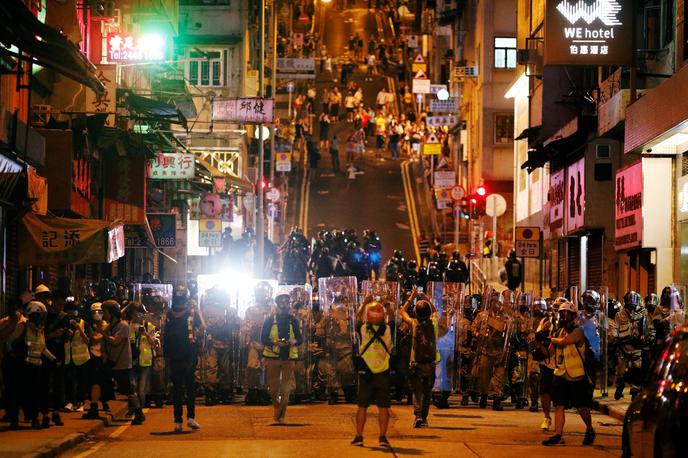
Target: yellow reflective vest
x=274, y=351
x=376, y=356
x=136, y=337
x=76, y=349
x=568, y=360
x=35, y=343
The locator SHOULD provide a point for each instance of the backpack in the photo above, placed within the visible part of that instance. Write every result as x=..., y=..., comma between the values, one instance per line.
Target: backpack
x=424, y=342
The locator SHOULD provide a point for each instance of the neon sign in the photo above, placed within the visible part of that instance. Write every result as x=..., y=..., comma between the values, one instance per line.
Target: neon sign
x=579, y=32
x=129, y=48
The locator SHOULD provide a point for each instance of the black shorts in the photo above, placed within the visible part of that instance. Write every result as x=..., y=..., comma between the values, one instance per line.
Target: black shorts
x=546, y=376
x=570, y=394
x=374, y=387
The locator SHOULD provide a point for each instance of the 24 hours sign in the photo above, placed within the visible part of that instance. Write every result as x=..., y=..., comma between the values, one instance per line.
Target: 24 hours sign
x=588, y=32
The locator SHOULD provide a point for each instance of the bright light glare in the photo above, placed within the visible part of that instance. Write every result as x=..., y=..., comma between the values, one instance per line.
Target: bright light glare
x=266, y=133
x=442, y=94
x=481, y=191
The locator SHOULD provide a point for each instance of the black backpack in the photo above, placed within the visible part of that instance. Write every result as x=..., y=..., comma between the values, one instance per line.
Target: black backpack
x=424, y=342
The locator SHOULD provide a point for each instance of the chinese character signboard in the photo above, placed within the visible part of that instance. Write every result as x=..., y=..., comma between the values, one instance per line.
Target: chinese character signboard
x=105, y=102
x=49, y=240
x=575, y=196
x=527, y=241
x=628, y=214
x=444, y=106
x=247, y=110
x=125, y=48
x=210, y=233
x=172, y=166
x=584, y=32
x=556, y=202
x=445, y=179
x=125, y=188
x=439, y=121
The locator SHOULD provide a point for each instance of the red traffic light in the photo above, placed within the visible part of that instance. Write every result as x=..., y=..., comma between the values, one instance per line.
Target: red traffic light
x=481, y=191
x=474, y=200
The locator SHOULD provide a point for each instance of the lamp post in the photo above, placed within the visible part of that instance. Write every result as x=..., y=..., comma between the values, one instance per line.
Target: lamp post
x=259, y=258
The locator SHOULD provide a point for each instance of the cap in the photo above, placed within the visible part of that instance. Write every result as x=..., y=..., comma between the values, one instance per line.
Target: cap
x=97, y=307
x=41, y=289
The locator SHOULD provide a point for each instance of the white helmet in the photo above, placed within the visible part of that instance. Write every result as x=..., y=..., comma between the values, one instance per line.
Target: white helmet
x=35, y=307
x=97, y=307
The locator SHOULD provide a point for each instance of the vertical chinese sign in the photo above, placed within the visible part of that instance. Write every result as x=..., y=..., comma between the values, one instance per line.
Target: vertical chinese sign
x=575, y=196
x=105, y=102
x=124, y=188
x=628, y=202
x=556, y=203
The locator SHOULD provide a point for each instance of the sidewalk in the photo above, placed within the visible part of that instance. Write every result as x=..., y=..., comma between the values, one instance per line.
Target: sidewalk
x=608, y=406
x=56, y=439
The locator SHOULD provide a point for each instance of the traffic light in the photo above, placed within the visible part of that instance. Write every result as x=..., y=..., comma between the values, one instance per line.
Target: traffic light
x=481, y=191
x=477, y=203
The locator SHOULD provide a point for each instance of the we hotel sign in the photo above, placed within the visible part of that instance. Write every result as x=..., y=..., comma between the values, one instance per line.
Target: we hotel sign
x=589, y=32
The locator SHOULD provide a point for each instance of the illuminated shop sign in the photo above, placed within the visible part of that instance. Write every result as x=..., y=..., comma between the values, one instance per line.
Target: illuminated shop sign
x=584, y=32
x=130, y=48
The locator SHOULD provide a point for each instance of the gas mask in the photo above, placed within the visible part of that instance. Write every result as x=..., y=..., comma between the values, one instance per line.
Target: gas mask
x=37, y=319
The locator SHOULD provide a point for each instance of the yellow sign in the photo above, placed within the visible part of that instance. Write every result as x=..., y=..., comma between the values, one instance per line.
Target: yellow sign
x=527, y=233
x=444, y=194
x=210, y=225
x=419, y=67
x=432, y=149
x=283, y=157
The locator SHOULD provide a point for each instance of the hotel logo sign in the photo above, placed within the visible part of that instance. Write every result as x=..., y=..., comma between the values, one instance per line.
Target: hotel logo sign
x=588, y=32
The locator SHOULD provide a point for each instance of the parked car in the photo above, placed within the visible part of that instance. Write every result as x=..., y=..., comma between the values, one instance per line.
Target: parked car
x=656, y=422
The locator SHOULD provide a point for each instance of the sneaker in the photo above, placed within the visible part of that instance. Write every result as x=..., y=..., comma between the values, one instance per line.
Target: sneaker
x=193, y=424
x=69, y=407
x=178, y=428
x=45, y=424
x=92, y=414
x=56, y=419
x=106, y=407
x=554, y=440
x=589, y=437
x=80, y=408
x=418, y=423
x=483, y=401
x=424, y=424
x=384, y=442
x=546, y=424
x=358, y=440
x=139, y=418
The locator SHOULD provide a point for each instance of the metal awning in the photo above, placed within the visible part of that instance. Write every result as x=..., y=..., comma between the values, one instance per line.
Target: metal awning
x=529, y=133
x=150, y=109
x=45, y=46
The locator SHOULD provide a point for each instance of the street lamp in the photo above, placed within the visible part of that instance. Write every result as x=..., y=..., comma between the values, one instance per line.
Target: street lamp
x=443, y=94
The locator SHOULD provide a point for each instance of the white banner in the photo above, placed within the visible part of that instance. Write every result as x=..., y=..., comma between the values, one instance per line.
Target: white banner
x=247, y=110
x=172, y=166
x=444, y=106
x=438, y=121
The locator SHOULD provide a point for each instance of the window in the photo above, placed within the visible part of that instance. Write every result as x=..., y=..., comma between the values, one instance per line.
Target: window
x=206, y=68
x=504, y=129
x=504, y=52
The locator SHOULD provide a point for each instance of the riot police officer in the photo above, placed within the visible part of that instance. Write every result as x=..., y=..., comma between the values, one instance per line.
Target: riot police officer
x=255, y=315
x=631, y=322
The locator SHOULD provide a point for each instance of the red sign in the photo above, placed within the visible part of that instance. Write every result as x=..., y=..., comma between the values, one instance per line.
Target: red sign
x=556, y=202
x=125, y=189
x=628, y=215
x=128, y=48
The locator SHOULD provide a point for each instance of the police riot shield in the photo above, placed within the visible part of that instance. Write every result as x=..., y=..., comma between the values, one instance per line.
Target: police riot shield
x=469, y=308
x=219, y=358
x=388, y=293
x=157, y=299
x=595, y=323
x=521, y=324
x=448, y=300
x=255, y=302
x=338, y=302
x=302, y=306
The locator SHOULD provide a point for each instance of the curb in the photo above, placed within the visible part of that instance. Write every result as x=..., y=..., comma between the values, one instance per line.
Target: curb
x=605, y=409
x=58, y=446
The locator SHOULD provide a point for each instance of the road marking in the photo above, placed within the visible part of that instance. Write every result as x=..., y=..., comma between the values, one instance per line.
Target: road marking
x=116, y=433
x=411, y=206
x=403, y=226
x=326, y=175
x=323, y=192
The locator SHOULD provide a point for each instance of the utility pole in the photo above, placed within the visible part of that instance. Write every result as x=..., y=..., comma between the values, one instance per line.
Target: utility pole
x=273, y=94
x=259, y=257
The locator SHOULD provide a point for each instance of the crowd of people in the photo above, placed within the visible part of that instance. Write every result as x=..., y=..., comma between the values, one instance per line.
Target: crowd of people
x=417, y=337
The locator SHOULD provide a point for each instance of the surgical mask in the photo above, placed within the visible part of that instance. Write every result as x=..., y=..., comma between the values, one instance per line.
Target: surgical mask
x=97, y=316
x=37, y=319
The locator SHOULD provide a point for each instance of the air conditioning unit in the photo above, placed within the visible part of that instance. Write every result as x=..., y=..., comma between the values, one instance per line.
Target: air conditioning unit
x=603, y=152
x=40, y=115
x=526, y=56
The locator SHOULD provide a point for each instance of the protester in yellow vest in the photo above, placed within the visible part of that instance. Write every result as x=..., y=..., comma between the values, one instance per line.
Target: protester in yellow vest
x=571, y=386
x=76, y=358
x=144, y=342
x=281, y=337
x=375, y=348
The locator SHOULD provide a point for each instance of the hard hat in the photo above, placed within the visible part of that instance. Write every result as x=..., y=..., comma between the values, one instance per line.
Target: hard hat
x=41, y=289
x=96, y=307
x=375, y=313
x=568, y=307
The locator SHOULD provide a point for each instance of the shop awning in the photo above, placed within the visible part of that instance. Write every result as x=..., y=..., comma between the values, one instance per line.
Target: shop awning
x=46, y=46
x=48, y=240
x=150, y=109
x=9, y=177
x=125, y=143
x=175, y=91
x=240, y=183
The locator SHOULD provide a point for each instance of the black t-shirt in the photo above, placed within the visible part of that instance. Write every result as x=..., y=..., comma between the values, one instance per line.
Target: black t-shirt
x=177, y=344
x=53, y=322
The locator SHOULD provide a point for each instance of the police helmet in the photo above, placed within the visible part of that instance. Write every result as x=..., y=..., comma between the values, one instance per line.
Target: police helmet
x=671, y=298
x=632, y=300
x=651, y=302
